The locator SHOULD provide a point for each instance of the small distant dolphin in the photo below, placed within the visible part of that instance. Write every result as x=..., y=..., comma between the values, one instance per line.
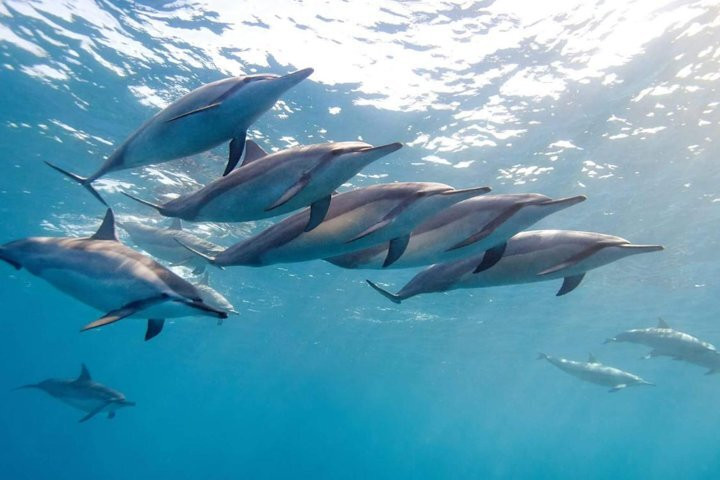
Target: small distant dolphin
x=214, y=298
x=531, y=256
x=215, y=113
x=669, y=342
x=595, y=372
x=278, y=183
x=84, y=394
x=105, y=274
x=162, y=243
x=478, y=224
x=355, y=220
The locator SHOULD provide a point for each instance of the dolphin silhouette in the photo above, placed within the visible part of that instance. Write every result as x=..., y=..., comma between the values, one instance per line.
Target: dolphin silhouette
x=595, y=372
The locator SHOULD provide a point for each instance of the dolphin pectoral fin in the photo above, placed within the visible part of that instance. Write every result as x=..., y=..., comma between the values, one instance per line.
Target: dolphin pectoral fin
x=81, y=180
x=154, y=326
x=397, y=248
x=570, y=284
x=253, y=152
x=111, y=415
x=491, y=257
x=370, y=230
x=93, y=413
x=490, y=227
x=175, y=224
x=107, y=228
x=318, y=210
x=124, y=312
x=391, y=296
x=193, y=112
x=617, y=388
x=237, y=145
x=9, y=261
x=291, y=192
x=712, y=371
x=575, y=259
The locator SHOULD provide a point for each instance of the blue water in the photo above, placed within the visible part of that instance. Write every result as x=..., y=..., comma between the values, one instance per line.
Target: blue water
x=320, y=377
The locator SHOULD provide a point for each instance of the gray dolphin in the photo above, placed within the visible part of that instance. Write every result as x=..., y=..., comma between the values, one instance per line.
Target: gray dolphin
x=270, y=185
x=214, y=298
x=162, y=243
x=595, y=372
x=355, y=220
x=531, y=256
x=478, y=224
x=105, y=274
x=666, y=341
x=84, y=394
x=215, y=113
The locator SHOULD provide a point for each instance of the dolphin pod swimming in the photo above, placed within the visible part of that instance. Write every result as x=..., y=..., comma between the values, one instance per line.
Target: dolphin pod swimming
x=531, y=256
x=215, y=113
x=278, y=183
x=105, y=274
x=163, y=243
x=666, y=341
x=84, y=394
x=355, y=220
x=467, y=228
x=595, y=372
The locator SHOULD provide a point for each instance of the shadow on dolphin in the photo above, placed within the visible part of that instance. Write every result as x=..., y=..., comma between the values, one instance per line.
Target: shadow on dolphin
x=105, y=274
x=212, y=114
x=355, y=220
x=531, y=256
x=84, y=394
x=267, y=185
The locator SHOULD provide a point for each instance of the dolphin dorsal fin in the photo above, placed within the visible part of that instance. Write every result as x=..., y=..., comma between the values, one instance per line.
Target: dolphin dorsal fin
x=253, y=152
x=176, y=224
x=592, y=359
x=107, y=228
x=84, y=374
x=662, y=323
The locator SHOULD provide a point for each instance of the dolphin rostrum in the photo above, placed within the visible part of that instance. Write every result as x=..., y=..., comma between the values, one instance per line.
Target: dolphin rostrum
x=105, y=274
x=214, y=298
x=162, y=243
x=531, y=256
x=666, y=341
x=278, y=183
x=470, y=227
x=84, y=394
x=355, y=220
x=595, y=372
x=215, y=113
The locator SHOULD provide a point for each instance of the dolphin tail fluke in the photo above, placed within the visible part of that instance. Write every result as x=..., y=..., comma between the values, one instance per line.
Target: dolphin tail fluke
x=125, y=311
x=157, y=207
x=390, y=296
x=84, y=181
x=542, y=356
x=207, y=258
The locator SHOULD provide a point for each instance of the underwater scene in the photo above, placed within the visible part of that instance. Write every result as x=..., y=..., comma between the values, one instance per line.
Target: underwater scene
x=364, y=240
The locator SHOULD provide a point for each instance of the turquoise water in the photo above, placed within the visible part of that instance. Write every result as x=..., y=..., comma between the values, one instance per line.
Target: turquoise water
x=319, y=376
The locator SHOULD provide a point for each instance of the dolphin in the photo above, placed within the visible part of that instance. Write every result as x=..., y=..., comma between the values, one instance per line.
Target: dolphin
x=84, y=394
x=355, y=220
x=105, y=274
x=531, y=256
x=479, y=224
x=215, y=113
x=666, y=341
x=595, y=372
x=278, y=183
x=161, y=243
x=214, y=298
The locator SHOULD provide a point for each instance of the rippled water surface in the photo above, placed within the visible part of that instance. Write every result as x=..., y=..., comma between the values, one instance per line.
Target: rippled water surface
x=320, y=377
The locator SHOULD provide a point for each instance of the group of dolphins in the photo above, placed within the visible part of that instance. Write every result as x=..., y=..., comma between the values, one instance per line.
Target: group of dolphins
x=663, y=340
x=465, y=238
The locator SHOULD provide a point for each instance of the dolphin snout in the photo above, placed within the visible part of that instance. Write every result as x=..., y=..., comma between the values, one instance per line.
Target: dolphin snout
x=562, y=203
x=384, y=149
x=292, y=79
